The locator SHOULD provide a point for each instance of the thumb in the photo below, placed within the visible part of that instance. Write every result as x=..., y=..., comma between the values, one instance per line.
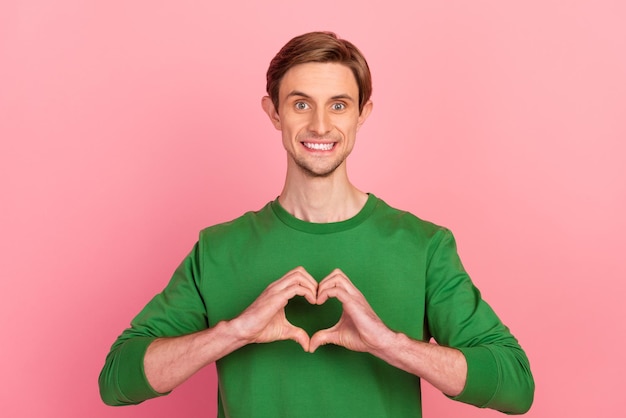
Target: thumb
x=298, y=335
x=323, y=337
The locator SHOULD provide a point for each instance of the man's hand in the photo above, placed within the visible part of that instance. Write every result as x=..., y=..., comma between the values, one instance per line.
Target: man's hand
x=264, y=320
x=359, y=328
x=170, y=361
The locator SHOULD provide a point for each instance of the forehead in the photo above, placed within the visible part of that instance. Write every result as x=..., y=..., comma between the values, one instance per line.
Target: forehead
x=319, y=80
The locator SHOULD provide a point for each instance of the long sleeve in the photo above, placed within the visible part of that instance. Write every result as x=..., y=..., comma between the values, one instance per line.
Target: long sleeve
x=177, y=310
x=498, y=375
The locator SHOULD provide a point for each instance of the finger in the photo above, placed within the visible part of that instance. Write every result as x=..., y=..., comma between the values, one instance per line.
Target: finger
x=301, y=271
x=337, y=278
x=278, y=299
x=304, y=279
x=292, y=283
x=331, y=281
x=298, y=289
x=337, y=274
x=270, y=302
x=298, y=275
x=333, y=291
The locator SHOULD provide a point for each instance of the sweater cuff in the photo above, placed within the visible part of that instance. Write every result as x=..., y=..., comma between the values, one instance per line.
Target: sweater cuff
x=133, y=383
x=482, y=377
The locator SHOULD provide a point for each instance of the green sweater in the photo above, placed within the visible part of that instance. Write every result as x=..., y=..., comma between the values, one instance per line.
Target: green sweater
x=407, y=269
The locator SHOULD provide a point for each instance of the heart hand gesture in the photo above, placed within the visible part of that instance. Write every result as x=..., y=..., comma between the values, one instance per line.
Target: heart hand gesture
x=358, y=328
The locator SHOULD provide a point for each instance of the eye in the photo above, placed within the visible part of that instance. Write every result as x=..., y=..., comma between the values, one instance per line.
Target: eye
x=338, y=106
x=301, y=106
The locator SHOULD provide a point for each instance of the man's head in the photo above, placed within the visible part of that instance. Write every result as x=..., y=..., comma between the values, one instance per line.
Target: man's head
x=319, y=89
x=319, y=47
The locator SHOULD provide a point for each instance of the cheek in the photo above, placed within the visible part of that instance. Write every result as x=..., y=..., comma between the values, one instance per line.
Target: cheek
x=288, y=119
x=349, y=129
x=288, y=137
x=295, y=126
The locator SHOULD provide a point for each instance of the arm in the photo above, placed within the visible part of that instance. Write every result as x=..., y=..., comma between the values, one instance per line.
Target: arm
x=498, y=374
x=169, y=340
x=360, y=329
x=170, y=361
x=477, y=360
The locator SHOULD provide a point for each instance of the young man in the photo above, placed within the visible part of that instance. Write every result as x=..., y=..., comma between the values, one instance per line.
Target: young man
x=322, y=303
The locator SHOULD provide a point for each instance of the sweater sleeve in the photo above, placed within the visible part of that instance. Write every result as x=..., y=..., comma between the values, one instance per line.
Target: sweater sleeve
x=498, y=371
x=178, y=310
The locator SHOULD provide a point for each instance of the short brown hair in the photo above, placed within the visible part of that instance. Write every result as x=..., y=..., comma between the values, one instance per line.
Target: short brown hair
x=319, y=47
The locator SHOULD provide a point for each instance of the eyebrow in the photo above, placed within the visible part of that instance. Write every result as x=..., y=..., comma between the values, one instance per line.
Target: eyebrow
x=297, y=93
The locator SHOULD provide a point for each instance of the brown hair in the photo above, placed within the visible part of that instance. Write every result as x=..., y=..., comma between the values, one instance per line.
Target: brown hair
x=319, y=47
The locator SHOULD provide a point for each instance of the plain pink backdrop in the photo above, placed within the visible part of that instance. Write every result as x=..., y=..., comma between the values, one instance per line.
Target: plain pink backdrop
x=128, y=126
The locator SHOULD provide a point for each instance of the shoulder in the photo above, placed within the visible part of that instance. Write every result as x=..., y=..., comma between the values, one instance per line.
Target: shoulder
x=401, y=220
x=248, y=223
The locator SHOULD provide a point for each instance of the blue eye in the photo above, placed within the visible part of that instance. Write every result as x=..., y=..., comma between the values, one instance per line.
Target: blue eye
x=301, y=106
x=339, y=106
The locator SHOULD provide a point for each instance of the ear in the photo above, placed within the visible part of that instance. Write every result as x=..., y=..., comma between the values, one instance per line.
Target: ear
x=367, y=109
x=272, y=113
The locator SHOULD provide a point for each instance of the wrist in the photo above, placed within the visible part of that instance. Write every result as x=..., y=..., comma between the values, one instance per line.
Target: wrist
x=388, y=343
x=235, y=332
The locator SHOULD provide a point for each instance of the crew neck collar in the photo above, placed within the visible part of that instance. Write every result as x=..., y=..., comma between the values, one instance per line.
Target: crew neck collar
x=324, y=228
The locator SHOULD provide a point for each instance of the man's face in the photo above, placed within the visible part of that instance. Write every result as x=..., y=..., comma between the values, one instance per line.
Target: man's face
x=318, y=116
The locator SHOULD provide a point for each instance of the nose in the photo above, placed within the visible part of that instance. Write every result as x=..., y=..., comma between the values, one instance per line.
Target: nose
x=320, y=122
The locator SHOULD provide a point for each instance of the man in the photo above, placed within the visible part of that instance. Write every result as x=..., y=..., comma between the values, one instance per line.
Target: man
x=359, y=287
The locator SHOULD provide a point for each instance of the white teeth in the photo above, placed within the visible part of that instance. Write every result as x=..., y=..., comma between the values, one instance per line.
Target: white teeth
x=319, y=147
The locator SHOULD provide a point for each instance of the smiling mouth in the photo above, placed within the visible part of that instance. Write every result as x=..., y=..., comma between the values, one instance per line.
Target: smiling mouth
x=316, y=146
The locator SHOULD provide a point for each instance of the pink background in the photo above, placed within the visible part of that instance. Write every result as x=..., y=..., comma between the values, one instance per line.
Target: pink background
x=128, y=126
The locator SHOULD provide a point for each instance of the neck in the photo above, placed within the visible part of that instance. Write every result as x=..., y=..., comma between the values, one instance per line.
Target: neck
x=321, y=199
